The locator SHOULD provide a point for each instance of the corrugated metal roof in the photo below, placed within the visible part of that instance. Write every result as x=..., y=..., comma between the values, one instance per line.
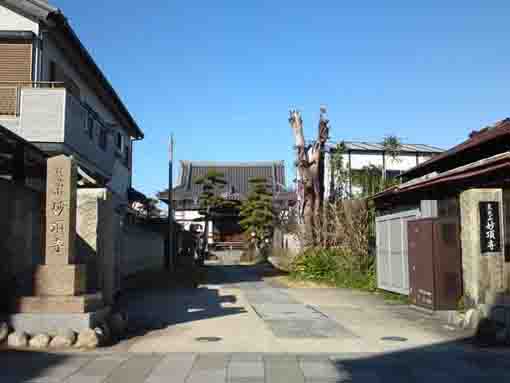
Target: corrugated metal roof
x=379, y=147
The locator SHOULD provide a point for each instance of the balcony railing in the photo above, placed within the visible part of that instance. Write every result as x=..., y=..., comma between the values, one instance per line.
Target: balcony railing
x=10, y=94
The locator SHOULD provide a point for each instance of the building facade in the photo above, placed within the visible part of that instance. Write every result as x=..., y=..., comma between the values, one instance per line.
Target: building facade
x=358, y=155
x=54, y=95
x=186, y=195
x=443, y=233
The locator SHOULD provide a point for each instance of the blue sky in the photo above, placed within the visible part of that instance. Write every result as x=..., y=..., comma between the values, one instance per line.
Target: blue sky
x=222, y=75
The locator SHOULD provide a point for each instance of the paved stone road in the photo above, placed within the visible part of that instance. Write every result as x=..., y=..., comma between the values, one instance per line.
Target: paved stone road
x=294, y=322
x=410, y=366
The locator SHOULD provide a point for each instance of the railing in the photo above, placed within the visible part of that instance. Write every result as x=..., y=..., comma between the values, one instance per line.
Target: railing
x=10, y=94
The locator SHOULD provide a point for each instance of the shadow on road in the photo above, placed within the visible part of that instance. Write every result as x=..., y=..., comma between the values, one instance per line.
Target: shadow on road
x=454, y=361
x=218, y=274
x=158, y=309
x=24, y=366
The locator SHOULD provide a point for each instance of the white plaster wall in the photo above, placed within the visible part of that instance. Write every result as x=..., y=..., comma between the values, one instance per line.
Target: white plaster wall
x=423, y=158
x=12, y=21
x=186, y=218
x=402, y=162
x=359, y=161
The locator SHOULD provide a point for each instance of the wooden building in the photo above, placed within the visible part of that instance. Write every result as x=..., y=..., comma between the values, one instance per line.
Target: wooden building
x=443, y=233
x=186, y=195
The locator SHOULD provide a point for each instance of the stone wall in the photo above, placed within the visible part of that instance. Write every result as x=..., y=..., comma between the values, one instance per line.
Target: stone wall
x=142, y=249
x=21, y=244
x=98, y=235
x=484, y=276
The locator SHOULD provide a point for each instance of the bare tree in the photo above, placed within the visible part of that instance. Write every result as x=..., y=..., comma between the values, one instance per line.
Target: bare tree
x=310, y=164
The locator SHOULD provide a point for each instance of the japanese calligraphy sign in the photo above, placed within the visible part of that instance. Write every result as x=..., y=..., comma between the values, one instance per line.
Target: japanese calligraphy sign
x=60, y=210
x=490, y=238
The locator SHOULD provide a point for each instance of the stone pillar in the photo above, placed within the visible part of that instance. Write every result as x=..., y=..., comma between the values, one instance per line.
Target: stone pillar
x=99, y=237
x=60, y=211
x=483, y=272
x=59, y=275
x=60, y=298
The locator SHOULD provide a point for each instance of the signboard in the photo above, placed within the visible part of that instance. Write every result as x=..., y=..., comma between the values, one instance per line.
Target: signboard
x=490, y=236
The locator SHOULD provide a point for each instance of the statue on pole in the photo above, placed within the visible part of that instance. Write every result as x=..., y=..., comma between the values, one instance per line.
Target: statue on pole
x=310, y=165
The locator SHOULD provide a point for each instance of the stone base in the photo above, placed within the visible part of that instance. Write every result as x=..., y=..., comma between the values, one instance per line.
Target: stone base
x=58, y=280
x=58, y=305
x=51, y=323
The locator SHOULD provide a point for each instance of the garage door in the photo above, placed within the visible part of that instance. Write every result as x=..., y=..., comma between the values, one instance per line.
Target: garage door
x=392, y=261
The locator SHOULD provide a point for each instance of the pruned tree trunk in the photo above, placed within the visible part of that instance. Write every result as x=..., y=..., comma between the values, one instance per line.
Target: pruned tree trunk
x=310, y=165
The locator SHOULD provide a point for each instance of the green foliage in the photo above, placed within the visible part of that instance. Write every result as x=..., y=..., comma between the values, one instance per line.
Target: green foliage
x=340, y=171
x=392, y=146
x=257, y=213
x=335, y=267
x=210, y=199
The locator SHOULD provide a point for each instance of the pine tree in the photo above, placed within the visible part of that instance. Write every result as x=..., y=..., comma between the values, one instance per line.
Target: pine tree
x=211, y=203
x=257, y=213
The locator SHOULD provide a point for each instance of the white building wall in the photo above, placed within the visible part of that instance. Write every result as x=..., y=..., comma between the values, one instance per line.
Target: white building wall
x=187, y=217
x=358, y=161
x=12, y=21
x=51, y=52
x=402, y=162
x=423, y=159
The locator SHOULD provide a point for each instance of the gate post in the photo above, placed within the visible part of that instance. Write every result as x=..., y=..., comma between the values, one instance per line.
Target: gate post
x=482, y=243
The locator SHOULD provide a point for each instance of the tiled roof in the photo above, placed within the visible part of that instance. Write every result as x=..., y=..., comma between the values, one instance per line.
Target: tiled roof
x=236, y=174
x=487, y=142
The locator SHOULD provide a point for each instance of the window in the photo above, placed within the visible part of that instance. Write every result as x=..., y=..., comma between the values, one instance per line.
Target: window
x=53, y=71
x=102, y=138
x=90, y=127
x=126, y=156
x=119, y=140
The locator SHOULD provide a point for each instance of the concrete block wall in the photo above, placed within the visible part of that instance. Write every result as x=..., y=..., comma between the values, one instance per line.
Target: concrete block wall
x=142, y=249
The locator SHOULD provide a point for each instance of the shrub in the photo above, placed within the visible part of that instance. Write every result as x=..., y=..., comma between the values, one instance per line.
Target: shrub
x=334, y=266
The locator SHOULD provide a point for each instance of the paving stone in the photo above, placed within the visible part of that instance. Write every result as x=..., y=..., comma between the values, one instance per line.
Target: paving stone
x=207, y=376
x=100, y=367
x=246, y=380
x=246, y=356
x=211, y=362
x=283, y=371
x=135, y=369
x=323, y=328
x=39, y=367
x=280, y=357
x=85, y=379
x=246, y=370
x=176, y=366
x=323, y=370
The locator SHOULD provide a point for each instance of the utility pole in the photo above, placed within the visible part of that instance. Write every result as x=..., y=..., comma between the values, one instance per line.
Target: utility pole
x=171, y=229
